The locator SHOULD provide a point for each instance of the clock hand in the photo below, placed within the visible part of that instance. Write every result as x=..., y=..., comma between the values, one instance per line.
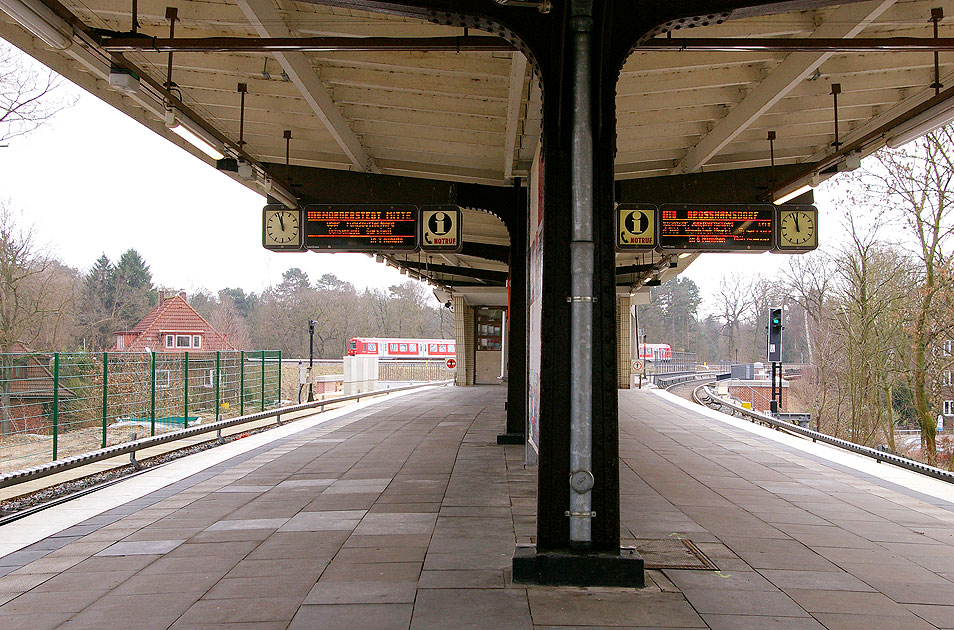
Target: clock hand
x=797, y=229
x=281, y=221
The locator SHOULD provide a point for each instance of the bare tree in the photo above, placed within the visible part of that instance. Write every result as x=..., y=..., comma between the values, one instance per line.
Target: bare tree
x=29, y=298
x=29, y=94
x=916, y=183
x=732, y=304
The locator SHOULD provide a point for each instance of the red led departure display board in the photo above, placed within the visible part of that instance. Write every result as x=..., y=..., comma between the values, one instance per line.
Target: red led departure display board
x=717, y=227
x=361, y=227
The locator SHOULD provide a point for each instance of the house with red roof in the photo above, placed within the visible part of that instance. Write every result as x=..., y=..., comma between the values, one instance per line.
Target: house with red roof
x=173, y=326
x=26, y=388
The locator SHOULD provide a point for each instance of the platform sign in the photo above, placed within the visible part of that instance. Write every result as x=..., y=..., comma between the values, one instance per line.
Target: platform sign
x=717, y=227
x=361, y=227
x=441, y=229
x=451, y=363
x=636, y=226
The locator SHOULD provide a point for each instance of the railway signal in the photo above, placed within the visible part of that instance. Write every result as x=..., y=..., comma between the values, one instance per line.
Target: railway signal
x=775, y=356
x=775, y=334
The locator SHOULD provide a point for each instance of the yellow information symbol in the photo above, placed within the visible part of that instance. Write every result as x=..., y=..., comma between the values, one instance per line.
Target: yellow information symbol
x=440, y=228
x=636, y=226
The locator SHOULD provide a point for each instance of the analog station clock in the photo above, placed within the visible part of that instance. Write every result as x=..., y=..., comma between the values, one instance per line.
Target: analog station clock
x=281, y=228
x=797, y=228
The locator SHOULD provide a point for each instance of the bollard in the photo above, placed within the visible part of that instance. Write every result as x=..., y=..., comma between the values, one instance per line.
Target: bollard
x=132, y=454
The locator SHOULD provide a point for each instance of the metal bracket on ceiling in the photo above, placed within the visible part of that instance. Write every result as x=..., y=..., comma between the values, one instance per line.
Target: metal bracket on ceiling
x=543, y=6
x=581, y=298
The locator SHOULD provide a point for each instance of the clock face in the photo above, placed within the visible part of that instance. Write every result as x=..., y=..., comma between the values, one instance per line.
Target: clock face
x=281, y=229
x=797, y=229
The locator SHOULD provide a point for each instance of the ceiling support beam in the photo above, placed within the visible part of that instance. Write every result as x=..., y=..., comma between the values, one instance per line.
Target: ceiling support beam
x=477, y=274
x=518, y=77
x=845, y=22
x=268, y=22
x=800, y=44
x=469, y=43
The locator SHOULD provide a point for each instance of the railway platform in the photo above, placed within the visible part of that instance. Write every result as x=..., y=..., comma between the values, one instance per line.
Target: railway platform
x=404, y=513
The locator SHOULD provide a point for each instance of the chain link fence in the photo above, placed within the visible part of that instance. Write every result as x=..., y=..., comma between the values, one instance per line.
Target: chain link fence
x=55, y=405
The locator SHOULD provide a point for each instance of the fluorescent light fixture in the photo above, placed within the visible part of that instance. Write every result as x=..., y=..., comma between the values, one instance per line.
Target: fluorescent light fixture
x=279, y=192
x=686, y=254
x=781, y=198
x=192, y=133
x=926, y=121
x=40, y=20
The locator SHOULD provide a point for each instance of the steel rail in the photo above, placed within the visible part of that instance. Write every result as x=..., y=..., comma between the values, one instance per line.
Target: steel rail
x=799, y=44
x=466, y=43
x=68, y=463
x=815, y=436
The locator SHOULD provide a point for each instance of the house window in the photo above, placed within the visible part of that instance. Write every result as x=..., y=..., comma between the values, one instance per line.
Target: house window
x=196, y=341
x=169, y=341
x=208, y=379
x=949, y=407
x=946, y=378
x=948, y=347
x=120, y=342
x=20, y=370
x=489, y=325
x=163, y=379
x=182, y=341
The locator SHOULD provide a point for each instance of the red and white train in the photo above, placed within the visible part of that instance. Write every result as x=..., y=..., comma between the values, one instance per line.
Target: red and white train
x=388, y=348
x=655, y=352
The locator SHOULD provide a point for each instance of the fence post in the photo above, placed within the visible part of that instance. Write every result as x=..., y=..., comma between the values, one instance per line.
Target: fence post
x=105, y=386
x=279, y=378
x=185, y=415
x=56, y=400
x=152, y=398
x=218, y=358
x=242, y=383
x=263, y=380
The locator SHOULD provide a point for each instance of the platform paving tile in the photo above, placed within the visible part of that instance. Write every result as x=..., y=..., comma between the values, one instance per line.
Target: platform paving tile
x=611, y=607
x=501, y=609
x=761, y=622
x=337, y=616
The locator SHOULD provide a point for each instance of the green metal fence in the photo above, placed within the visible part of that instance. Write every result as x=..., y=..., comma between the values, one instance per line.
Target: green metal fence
x=54, y=405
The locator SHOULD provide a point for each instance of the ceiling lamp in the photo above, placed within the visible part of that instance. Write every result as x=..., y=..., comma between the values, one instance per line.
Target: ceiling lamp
x=40, y=20
x=791, y=192
x=191, y=132
x=927, y=121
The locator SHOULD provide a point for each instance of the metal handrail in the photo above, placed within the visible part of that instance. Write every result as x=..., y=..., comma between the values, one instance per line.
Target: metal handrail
x=68, y=463
x=815, y=436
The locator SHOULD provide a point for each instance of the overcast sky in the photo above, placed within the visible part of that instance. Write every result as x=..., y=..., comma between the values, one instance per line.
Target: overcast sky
x=94, y=181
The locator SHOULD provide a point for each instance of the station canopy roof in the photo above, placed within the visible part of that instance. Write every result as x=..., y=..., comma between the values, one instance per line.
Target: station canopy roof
x=475, y=116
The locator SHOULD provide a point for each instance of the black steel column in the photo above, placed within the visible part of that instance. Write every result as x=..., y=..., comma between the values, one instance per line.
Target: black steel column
x=554, y=560
x=517, y=350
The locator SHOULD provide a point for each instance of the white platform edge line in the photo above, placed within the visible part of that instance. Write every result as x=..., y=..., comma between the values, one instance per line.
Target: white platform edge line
x=887, y=472
x=30, y=529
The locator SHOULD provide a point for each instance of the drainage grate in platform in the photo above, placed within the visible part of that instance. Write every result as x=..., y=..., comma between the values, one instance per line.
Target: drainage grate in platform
x=671, y=553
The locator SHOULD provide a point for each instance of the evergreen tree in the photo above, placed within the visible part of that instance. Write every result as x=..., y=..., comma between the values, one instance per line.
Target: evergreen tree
x=132, y=284
x=97, y=301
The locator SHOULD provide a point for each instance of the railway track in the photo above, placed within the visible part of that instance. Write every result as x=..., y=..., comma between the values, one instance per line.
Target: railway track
x=685, y=390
